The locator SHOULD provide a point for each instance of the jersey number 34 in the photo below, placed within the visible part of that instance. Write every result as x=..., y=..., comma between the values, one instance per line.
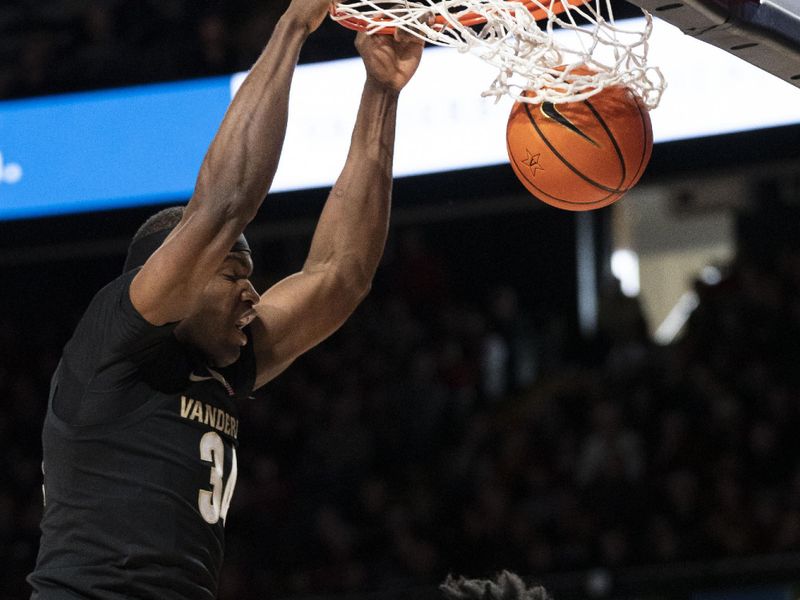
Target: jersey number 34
x=214, y=505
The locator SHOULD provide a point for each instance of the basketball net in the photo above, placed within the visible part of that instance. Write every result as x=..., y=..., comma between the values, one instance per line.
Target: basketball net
x=544, y=51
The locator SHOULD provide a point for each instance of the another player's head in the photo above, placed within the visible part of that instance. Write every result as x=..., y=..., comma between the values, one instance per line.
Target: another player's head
x=506, y=586
x=226, y=303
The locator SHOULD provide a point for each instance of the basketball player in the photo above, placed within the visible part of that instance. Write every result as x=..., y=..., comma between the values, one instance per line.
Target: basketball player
x=141, y=429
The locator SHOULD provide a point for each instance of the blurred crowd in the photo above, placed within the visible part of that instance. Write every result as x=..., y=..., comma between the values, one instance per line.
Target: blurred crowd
x=53, y=46
x=443, y=432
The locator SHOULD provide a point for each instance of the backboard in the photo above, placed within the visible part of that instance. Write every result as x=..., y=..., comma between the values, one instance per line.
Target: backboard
x=765, y=34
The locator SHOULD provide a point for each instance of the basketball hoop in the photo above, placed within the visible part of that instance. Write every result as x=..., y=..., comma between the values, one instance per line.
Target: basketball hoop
x=378, y=17
x=544, y=50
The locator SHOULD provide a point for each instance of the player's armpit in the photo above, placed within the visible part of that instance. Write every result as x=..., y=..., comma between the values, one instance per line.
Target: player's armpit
x=298, y=313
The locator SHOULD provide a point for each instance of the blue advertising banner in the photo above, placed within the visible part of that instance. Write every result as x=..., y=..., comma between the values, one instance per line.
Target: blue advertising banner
x=106, y=149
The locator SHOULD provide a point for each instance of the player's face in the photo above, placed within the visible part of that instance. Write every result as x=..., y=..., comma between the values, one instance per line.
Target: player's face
x=226, y=308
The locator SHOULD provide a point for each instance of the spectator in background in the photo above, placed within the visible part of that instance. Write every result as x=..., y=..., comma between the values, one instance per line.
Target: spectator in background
x=609, y=447
x=98, y=52
x=509, y=358
x=217, y=54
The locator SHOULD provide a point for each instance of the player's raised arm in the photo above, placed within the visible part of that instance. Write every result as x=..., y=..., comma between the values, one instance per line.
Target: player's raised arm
x=303, y=309
x=234, y=177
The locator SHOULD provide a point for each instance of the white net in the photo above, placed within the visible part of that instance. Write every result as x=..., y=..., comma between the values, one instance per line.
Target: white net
x=569, y=54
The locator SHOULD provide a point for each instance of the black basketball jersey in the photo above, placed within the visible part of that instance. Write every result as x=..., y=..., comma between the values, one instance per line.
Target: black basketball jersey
x=139, y=463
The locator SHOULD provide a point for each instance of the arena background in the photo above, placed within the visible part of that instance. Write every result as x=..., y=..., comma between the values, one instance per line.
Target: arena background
x=497, y=402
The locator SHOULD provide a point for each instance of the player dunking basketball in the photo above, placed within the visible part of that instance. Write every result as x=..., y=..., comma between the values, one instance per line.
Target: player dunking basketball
x=141, y=429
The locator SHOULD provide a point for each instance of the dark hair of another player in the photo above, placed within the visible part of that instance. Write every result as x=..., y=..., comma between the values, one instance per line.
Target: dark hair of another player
x=506, y=586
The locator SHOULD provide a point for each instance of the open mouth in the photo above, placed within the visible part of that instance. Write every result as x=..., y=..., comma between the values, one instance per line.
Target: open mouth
x=245, y=319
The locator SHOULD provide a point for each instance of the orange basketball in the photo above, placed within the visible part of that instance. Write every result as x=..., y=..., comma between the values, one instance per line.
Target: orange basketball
x=580, y=155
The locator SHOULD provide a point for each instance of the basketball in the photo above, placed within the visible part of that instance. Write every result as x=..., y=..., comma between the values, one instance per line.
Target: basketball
x=580, y=155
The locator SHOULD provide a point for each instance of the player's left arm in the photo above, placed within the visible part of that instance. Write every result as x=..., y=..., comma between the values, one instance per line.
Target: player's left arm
x=302, y=310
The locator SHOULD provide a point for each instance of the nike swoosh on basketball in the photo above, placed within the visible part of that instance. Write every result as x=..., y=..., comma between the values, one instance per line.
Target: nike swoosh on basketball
x=551, y=111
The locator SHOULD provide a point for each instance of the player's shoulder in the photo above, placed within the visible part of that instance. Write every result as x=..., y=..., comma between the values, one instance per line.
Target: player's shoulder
x=114, y=346
x=112, y=321
x=113, y=295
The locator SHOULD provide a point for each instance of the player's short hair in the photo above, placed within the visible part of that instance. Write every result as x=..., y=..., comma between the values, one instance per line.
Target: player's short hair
x=150, y=235
x=167, y=218
x=155, y=230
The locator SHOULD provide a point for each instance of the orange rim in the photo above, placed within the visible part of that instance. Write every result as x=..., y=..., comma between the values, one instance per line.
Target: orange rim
x=468, y=19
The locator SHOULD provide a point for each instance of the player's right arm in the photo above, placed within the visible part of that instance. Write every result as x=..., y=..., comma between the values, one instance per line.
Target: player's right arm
x=234, y=177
